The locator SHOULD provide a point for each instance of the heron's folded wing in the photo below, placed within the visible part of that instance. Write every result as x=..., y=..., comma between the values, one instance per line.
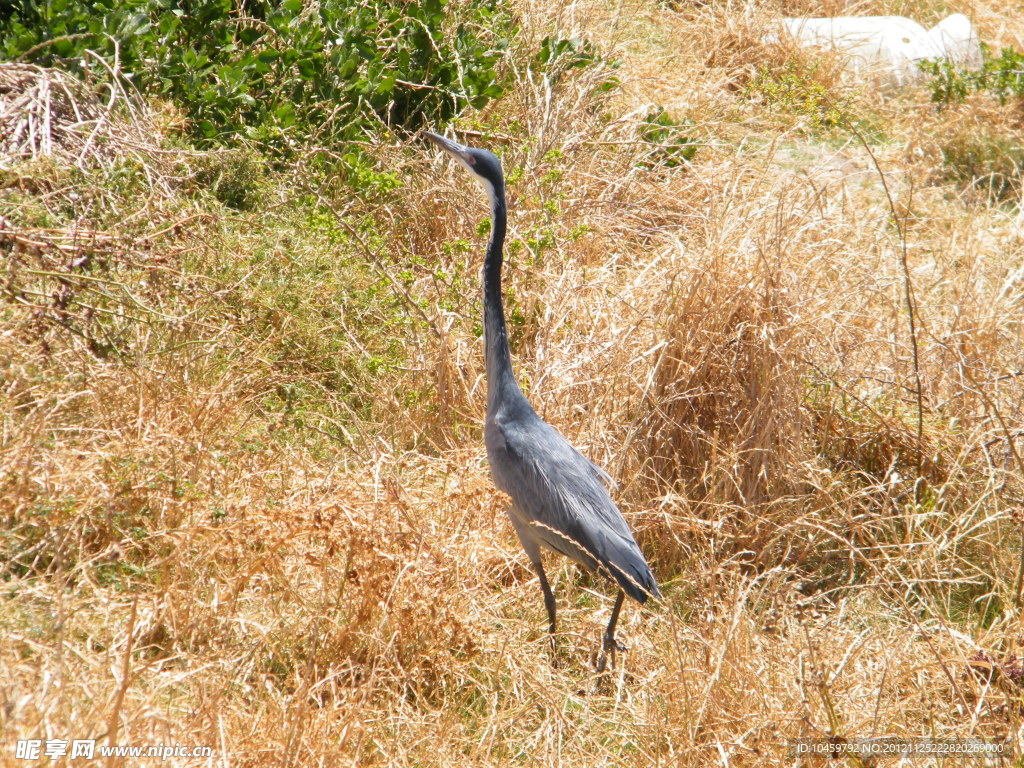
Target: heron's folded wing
x=558, y=491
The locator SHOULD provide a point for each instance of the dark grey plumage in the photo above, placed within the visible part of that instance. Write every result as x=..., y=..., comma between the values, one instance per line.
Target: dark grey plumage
x=559, y=500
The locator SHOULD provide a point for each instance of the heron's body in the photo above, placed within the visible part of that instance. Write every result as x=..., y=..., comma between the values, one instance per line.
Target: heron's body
x=559, y=501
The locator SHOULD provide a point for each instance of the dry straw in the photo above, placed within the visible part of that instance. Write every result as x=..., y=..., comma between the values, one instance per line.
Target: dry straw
x=46, y=112
x=730, y=339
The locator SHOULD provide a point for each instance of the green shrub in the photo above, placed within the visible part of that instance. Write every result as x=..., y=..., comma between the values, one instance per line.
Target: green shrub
x=987, y=157
x=1002, y=77
x=236, y=178
x=561, y=54
x=674, y=140
x=282, y=73
x=800, y=89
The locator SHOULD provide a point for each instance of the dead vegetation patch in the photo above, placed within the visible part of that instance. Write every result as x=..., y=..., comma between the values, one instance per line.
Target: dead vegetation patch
x=199, y=555
x=46, y=112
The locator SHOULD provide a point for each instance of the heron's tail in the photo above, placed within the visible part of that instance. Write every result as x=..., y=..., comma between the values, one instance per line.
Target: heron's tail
x=626, y=564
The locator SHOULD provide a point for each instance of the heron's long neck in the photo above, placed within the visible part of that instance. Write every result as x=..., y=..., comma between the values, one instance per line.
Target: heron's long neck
x=500, y=378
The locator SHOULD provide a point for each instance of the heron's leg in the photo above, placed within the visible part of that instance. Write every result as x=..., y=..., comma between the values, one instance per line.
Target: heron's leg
x=608, y=644
x=532, y=549
x=549, y=600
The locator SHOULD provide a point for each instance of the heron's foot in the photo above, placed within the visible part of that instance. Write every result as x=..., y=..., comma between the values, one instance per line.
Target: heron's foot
x=554, y=651
x=611, y=644
x=609, y=647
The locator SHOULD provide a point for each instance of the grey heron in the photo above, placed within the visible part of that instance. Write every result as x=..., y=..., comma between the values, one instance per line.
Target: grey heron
x=559, y=498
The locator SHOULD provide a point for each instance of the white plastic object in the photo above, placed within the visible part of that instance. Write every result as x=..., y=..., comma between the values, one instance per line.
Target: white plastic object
x=887, y=48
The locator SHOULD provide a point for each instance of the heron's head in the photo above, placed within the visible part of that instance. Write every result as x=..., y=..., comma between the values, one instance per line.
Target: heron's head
x=484, y=165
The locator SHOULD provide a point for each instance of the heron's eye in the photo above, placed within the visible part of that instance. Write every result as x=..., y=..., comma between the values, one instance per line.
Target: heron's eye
x=471, y=159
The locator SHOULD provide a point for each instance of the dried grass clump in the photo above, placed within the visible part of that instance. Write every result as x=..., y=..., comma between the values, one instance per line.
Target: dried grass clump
x=210, y=621
x=355, y=576
x=743, y=48
x=725, y=381
x=46, y=112
x=978, y=150
x=86, y=285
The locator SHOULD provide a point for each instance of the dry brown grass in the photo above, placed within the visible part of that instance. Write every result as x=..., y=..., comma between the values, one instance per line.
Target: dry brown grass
x=192, y=561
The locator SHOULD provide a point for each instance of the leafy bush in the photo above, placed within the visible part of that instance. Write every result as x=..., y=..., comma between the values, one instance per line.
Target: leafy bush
x=674, y=140
x=575, y=52
x=558, y=55
x=236, y=178
x=1003, y=77
x=799, y=88
x=287, y=72
x=984, y=156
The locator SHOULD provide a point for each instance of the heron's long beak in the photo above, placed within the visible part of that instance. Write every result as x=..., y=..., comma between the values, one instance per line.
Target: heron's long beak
x=456, y=150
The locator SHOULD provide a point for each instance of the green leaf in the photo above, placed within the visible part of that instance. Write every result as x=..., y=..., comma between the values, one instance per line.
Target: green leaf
x=285, y=114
